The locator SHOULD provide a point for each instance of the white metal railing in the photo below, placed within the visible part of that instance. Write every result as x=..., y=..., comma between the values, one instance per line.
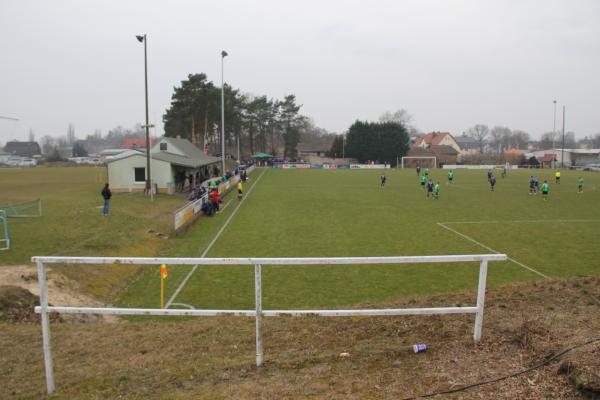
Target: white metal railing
x=258, y=312
x=5, y=238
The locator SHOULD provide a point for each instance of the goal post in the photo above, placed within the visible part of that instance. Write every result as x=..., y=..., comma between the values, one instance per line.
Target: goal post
x=4, y=233
x=27, y=209
x=410, y=162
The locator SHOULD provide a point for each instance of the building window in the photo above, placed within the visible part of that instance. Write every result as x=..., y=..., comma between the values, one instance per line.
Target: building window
x=163, y=146
x=139, y=175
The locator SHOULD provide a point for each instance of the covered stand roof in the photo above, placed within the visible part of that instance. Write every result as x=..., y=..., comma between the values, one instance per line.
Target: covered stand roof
x=177, y=152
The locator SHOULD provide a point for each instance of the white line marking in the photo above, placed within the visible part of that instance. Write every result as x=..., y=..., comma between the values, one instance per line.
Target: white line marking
x=225, y=206
x=210, y=245
x=191, y=307
x=521, y=221
x=490, y=249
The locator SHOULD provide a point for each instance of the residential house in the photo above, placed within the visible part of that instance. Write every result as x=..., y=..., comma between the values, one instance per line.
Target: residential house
x=467, y=144
x=437, y=139
x=23, y=149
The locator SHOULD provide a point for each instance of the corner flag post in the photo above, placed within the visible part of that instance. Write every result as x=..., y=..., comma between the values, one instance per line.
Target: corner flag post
x=163, y=276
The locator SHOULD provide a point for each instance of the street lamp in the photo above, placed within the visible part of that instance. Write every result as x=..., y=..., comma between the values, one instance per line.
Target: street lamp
x=144, y=39
x=223, y=55
x=562, y=153
x=554, y=137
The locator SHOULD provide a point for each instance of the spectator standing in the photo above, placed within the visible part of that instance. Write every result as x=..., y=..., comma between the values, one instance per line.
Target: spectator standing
x=214, y=196
x=106, y=195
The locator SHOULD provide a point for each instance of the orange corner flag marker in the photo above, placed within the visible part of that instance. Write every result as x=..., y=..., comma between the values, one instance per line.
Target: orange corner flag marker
x=163, y=276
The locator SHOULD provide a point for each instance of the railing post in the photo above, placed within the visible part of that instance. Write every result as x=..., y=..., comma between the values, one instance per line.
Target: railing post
x=480, y=299
x=45, y=327
x=258, y=298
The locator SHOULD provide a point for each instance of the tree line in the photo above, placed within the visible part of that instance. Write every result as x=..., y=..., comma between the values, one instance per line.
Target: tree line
x=501, y=138
x=261, y=124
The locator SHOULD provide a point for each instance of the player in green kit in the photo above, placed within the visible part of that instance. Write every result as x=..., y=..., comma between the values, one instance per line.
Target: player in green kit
x=436, y=191
x=545, y=190
x=504, y=169
x=450, y=177
x=580, y=185
x=422, y=181
x=426, y=172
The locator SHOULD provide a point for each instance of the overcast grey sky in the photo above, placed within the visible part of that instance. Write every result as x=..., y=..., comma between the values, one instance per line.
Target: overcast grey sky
x=450, y=63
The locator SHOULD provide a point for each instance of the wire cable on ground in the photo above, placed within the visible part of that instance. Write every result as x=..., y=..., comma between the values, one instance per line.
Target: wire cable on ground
x=546, y=361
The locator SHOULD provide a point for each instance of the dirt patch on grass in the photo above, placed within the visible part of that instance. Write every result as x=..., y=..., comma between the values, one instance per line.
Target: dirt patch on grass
x=61, y=291
x=213, y=358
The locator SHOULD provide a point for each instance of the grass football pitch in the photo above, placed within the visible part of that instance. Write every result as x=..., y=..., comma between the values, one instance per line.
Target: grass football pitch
x=334, y=213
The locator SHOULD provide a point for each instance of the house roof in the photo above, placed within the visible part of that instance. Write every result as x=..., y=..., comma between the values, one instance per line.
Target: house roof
x=419, y=152
x=134, y=142
x=124, y=154
x=23, y=149
x=443, y=149
x=466, y=142
x=432, y=138
x=313, y=148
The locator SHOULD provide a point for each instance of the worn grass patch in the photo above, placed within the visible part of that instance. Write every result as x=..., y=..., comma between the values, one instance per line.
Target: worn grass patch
x=213, y=358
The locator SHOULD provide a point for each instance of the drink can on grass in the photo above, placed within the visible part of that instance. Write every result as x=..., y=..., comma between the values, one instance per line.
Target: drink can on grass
x=419, y=348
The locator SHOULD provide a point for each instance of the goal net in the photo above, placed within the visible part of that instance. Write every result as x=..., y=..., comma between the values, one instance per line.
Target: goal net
x=423, y=162
x=28, y=209
x=4, y=235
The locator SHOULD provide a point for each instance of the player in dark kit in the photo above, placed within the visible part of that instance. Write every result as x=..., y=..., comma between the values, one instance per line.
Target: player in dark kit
x=383, y=179
x=493, y=182
x=429, y=188
x=418, y=169
x=489, y=174
x=531, y=185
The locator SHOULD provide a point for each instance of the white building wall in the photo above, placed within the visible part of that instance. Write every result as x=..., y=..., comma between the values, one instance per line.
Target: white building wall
x=121, y=174
x=447, y=140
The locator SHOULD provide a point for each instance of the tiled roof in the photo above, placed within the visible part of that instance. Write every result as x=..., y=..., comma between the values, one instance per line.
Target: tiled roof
x=443, y=149
x=432, y=138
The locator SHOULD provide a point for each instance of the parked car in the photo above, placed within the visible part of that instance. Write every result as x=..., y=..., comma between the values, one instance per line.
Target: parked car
x=592, y=167
x=27, y=162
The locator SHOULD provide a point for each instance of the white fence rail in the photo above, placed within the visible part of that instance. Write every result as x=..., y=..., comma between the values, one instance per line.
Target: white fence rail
x=5, y=234
x=257, y=312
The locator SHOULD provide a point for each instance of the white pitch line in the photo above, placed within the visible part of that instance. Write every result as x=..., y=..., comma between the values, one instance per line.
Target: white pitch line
x=225, y=206
x=521, y=221
x=191, y=307
x=210, y=245
x=490, y=249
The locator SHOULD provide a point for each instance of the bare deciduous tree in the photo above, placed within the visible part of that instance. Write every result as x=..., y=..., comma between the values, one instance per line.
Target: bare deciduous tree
x=479, y=132
x=500, y=138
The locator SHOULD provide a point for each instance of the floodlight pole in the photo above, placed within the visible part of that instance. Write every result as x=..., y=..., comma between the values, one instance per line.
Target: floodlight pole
x=554, y=126
x=562, y=153
x=148, y=173
x=223, y=55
